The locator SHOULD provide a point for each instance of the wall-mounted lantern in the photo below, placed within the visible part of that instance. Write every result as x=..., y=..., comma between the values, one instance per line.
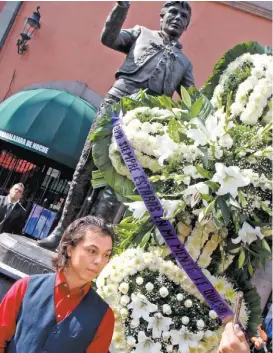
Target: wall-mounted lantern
x=30, y=27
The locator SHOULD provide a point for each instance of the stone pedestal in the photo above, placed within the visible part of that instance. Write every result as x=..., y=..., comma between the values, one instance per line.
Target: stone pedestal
x=19, y=257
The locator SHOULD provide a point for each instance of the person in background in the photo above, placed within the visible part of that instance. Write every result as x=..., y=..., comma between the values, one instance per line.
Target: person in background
x=12, y=213
x=61, y=312
x=233, y=340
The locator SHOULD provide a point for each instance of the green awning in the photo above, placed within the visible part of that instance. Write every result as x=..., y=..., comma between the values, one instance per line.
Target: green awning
x=52, y=123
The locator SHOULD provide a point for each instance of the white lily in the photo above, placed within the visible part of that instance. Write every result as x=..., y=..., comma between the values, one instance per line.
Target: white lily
x=230, y=179
x=159, y=323
x=186, y=339
x=192, y=193
x=141, y=307
x=138, y=208
x=146, y=344
x=205, y=133
x=192, y=172
x=247, y=234
x=170, y=206
x=165, y=148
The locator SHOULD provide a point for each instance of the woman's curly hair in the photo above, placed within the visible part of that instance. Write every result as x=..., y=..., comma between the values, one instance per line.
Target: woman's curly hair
x=76, y=232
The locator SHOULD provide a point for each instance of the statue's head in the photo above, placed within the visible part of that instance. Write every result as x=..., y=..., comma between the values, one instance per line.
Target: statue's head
x=175, y=17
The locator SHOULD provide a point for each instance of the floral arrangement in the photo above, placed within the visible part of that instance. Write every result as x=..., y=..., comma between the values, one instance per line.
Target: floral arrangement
x=157, y=309
x=209, y=162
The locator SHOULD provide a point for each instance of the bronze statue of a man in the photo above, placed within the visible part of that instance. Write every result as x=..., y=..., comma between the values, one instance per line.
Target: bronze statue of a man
x=155, y=62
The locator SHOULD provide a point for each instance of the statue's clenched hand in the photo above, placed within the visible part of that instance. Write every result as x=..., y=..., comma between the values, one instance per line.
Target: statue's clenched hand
x=123, y=3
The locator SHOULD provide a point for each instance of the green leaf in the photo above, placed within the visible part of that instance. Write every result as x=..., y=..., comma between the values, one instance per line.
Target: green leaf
x=145, y=239
x=236, y=221
x=265, y=208
x=234, y=203
x=227, y=58
x=173, y=130
x=186, y=98
x=224, y=209
x=208, y=210
x=266, y=245
x=250, y=269
x=241, y=259
x=134, y=197
x=212, y=185
x=242, y=198
x=205, y=173
x=207, y=198
x=196, y=107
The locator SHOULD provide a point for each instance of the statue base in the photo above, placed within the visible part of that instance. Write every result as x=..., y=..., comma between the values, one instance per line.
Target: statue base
x=20, y=257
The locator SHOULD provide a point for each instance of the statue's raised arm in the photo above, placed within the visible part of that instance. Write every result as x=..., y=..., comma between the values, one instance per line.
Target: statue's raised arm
x=112, y=34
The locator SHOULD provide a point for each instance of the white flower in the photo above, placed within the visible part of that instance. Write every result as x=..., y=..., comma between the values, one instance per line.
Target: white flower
x=159, y=237
x=169, y=349
x=139, y=281
x=138, y=208
x=204, y=134
x=146, y=127
x=134, y=323
x=134, y=124
x=192, y=193
x=192, y=171
x=165, y=148
x=180, y=297
x=149, y=286
x=185, y=320
x=213, y=315
x=247, y=234
x=159, y=323
x=230, y=179
x=186, y=339
x=163, y=291
x=124, y=287
x=124, y=300
x=146, y=344
x=170, y=206
x=200, y=324
x=166, y=335
x=141, y=307
x=124, y=313
x=188, y=303
x=131, y=341
x=167, y=309
x=226, y=141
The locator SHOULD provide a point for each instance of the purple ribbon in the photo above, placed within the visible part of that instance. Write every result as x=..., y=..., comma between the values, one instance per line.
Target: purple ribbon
x=146, y=191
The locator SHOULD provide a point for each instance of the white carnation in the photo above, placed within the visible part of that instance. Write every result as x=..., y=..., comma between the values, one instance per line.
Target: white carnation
x=163, y=291
x=200, y=324
x=212, y=314
x=124, y=300
x=124, y=287
x=188, y=303
x=149, y=286
x=167, y=309
x=185, y=320
x=139, y=281
x=180, y=297
x=124, y=313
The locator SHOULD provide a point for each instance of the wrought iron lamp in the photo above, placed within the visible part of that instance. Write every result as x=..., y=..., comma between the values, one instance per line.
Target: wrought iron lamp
x=30, y=27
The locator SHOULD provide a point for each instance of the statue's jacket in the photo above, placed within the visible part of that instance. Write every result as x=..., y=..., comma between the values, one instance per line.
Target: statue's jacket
x=150, y=57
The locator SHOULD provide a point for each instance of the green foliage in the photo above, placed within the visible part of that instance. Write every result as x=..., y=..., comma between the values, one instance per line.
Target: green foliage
x=227, y=58
x=186, y=98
